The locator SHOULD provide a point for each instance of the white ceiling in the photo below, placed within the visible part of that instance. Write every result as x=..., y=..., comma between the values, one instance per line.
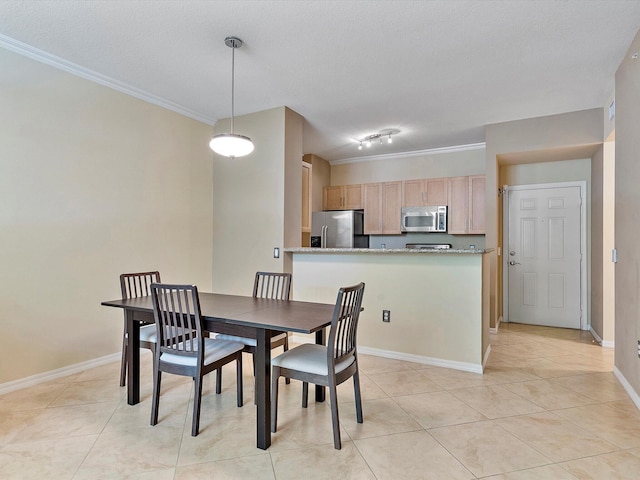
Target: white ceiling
x=436, y=70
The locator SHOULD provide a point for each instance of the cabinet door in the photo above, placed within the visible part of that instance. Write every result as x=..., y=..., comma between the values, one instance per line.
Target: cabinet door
x=392, y=201
x=437, y=191
x=413, y=194
x=476, y=204
x=458, y=205
x=332, y=198
x=372, y=208
x=352, y=195
x=306, y=197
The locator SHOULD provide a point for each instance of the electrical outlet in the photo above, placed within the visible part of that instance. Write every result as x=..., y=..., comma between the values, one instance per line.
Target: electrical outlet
x=386, y=316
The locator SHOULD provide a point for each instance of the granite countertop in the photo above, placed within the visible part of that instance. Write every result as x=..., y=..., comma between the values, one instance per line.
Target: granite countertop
x=446, y=251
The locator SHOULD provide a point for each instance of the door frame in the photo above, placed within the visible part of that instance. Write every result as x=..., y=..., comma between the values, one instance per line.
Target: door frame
x=582, y=184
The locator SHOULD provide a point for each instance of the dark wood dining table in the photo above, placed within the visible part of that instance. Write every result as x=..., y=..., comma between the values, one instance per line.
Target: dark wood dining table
x=258, y=318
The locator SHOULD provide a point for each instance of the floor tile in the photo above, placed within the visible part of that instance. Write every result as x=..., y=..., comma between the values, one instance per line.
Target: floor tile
x=406, y=382
x=495, y=401
x=548, y=395
x=134, y=451
x=380, y=417
x=623, y=465
x=554, y=437
x=321, y=462
x=487, y=449
x=413, y=455
x=615, y=425
x=601, y=387
x=55, y=459
x=438, y=409
x=255, y=467
x=547, y=472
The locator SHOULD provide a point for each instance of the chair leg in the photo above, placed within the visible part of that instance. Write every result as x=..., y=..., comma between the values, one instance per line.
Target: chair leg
x=197, y=400
x=219, y=380
x=333, y=394
x=358, y=397
x=285, y=347
x=275, y=375
x=240, y=392
x=305, y=394
x=123, y=361
x=155, y=401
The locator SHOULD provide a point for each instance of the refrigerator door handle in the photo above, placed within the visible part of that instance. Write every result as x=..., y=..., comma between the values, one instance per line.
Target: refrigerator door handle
x=323, y=243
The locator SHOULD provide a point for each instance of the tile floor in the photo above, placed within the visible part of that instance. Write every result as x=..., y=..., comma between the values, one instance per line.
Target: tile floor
x=548, y=407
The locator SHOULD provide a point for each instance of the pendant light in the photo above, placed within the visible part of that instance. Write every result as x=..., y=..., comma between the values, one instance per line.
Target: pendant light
x=231, y=144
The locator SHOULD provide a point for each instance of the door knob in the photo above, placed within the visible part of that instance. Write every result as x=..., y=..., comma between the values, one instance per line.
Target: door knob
x=513, y=262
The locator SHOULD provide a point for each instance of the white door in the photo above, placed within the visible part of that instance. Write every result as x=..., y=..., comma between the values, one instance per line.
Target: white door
x=544, y=256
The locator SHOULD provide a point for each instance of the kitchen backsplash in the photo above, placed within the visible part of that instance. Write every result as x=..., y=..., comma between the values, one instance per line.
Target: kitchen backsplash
x=399, y=241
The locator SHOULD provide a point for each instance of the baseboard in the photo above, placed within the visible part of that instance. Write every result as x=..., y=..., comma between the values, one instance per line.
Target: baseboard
x=407, y=357
x=486, y=357
x=58, y=373
x=495, y=329
x=627, y=386
x=603, y=343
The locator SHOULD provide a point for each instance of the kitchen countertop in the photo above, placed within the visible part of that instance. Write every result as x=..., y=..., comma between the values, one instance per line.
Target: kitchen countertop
x=413, y=251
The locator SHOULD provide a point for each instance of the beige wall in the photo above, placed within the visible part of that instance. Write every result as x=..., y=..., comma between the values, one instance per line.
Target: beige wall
x=627, y=221
x=249, y=195
x=94, y=183
x=558, y=136
x=429, y=165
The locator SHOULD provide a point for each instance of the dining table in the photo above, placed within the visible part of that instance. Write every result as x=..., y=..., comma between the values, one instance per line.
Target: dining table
x=258, y=318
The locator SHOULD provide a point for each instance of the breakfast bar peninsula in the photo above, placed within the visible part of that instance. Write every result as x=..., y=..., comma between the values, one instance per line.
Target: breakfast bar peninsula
x=437, y=300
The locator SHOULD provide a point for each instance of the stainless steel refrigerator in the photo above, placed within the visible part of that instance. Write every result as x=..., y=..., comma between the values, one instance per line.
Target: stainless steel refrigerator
x=338, y=229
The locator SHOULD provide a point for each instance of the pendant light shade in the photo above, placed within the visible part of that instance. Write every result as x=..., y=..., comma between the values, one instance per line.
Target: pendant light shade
x=231, y=144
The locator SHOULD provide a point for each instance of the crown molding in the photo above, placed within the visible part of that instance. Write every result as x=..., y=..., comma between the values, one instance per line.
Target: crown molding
x=38, y=55
x=416, y=153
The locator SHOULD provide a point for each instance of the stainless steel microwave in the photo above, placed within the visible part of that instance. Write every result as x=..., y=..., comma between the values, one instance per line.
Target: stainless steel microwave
x=424, y=219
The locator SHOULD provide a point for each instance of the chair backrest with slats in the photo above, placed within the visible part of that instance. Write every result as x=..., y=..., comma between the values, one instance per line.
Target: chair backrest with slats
x=135, y=285
x=272, y=285
x=176, y=309
x=344, y=324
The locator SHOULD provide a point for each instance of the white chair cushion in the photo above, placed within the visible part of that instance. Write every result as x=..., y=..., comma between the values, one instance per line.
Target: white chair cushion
x=310, y=358
x=252, y=342
x=214, y=350
x=148, y=333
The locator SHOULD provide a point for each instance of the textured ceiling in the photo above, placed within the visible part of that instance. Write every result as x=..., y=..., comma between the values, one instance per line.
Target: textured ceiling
x=437, y=71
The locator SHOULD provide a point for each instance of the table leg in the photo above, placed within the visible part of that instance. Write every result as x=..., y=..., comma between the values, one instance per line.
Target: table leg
x=133, y=359
x=320, y=390
x=263, y=387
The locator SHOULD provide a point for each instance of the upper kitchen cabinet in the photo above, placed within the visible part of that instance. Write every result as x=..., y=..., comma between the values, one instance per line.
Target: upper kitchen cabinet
x=306, y=197
x=382, y=205
x=466, y=205
x=423, y=192
x=342, y=197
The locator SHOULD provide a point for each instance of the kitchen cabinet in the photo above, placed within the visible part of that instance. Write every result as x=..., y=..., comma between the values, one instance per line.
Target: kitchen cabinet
x=342, y=197
x=306, y=197
x=466, y=205
x=382, y=205
x=423, y=192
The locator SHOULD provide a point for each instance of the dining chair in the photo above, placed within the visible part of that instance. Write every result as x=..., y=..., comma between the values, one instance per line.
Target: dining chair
x=328, y=365
x=183, y=350
x=272, y=285
x=133, y=285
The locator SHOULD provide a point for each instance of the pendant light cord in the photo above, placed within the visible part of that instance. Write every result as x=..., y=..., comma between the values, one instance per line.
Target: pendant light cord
x=233, y=94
